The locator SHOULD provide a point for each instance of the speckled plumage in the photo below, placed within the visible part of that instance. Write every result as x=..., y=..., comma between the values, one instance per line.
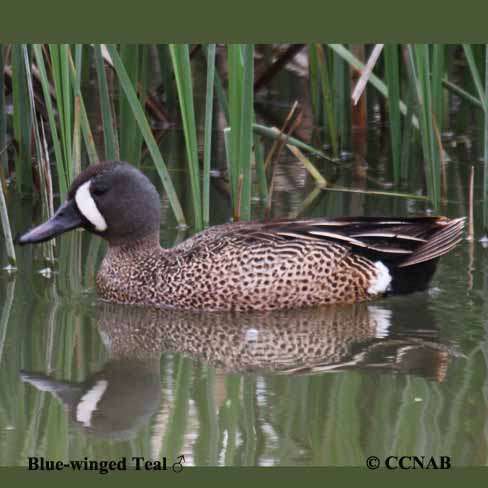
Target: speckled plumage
x=223, y=272
x=243, y=266
x=248, y=266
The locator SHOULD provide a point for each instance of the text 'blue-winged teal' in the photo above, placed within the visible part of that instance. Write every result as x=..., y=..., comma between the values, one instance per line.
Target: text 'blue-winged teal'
x=266, y=265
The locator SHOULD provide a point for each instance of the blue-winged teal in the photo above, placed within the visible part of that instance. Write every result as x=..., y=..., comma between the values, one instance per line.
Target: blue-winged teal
x=243, y=266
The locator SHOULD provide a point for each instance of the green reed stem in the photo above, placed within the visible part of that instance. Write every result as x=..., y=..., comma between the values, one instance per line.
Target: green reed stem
x=180, y=56
x=328, y=102
x=3, y=114
x=7, y=233
x=76, y=150
x=342, y=90
x=241, y=110
x=421, y=65
x=5, y=312
x=452, y=87
x=75, y=77
x=313, y=75
x=67, y=117
x=274, y=133
x=130, y=143
x=260, y=169
x=395, y=194
x=226, y=132
x=22, y=124
x=145, y=129
x=207, y=144
x=111, y=147
x=58, y=153
x=221, y=97
x=485, y=147
x=220, y=92
x=234, y=97
x=246, y=139
x=60, y=55
x=407, y=138
x=42, y=155
x=468, y=51
x=307, y=202
x=393, y=83
x=143, y=91
x=312, y=170
x=438, y=59
x=46, y=190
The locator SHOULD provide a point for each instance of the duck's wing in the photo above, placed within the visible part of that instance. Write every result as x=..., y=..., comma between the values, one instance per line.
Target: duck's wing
x=403, y=241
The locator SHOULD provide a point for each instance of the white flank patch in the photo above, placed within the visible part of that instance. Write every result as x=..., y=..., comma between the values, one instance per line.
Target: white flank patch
x=382, y=319
x=87, y=206
x=89, y=401
x=382, y=280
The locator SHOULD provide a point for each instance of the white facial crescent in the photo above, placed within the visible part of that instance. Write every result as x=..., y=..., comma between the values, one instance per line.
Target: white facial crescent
x=88, y=208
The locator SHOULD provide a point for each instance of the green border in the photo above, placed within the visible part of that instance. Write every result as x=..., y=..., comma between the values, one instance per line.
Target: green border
x=249, y=20
x=231, y=477
x=257, y=21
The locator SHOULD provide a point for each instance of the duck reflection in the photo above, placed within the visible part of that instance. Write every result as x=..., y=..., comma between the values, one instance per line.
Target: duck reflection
x=117, y=401
x=114, y=403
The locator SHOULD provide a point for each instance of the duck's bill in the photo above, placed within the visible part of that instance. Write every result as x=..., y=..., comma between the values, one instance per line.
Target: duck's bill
x=67, y=217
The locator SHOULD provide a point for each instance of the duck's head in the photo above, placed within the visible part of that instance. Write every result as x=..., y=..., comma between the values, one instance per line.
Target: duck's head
x=112, y=199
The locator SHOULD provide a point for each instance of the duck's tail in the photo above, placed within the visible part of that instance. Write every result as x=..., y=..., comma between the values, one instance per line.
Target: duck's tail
x=415, y=271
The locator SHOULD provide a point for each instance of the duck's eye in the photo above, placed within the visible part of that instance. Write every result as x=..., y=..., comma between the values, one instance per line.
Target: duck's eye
x=99, y=190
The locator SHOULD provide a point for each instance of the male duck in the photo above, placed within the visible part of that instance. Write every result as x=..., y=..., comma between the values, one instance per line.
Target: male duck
x=246, y=265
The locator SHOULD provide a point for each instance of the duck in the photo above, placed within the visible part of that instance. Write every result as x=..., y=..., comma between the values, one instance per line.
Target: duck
x=243, y=266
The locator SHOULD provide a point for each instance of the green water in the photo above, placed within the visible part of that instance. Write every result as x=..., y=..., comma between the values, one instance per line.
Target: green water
x=330, y=386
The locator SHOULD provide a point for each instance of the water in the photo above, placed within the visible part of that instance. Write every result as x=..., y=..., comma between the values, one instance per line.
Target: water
x=327, y=386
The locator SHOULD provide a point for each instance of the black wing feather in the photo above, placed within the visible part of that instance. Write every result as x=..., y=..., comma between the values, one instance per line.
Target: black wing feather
x=405, y=242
